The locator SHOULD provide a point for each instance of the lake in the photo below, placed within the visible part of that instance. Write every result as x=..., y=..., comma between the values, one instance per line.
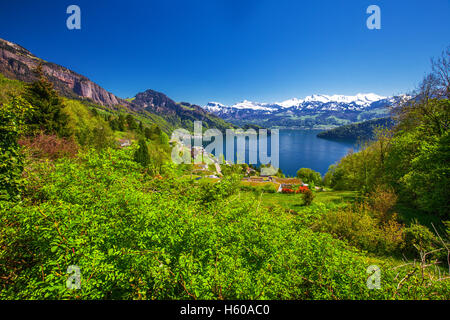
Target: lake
x=302, y=149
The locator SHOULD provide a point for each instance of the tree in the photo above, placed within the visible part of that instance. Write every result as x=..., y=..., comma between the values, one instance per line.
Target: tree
x=163, y=138
x=309, y=176
x=121, y=123
x=131, y=123
x=147, y=133
x=155, y=132
x=141, y=155
x=412, y=158
x=47, y=114
x=101, y=138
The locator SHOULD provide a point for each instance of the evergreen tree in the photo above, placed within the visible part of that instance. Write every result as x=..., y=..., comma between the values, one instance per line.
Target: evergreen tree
x=121, y=123
x=47, y=114
x=141, y=155
x=155, y=132
x=131, y=123
x=148, y=133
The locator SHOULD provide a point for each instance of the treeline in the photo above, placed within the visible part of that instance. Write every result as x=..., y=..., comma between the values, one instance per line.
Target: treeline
x=362, y=131
x=412, y=159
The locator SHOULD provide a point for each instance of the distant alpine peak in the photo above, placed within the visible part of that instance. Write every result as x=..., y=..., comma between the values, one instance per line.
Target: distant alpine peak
x=215, y=106
x=246, y=104
x=360, y=100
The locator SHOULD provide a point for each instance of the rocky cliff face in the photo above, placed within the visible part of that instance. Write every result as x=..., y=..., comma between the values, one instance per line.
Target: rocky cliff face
x=18, y=63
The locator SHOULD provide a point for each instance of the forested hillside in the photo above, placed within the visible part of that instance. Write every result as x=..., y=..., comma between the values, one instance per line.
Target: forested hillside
x=361, y=131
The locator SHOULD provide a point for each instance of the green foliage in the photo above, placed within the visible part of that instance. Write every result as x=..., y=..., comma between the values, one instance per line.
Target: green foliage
x=164, y=235
x=88, y=129
x=12, y=120
x=216, y=191
x=47, y=114
x=141, y=155
x=419, y=238
x=429, y=175
x=153, y=133
x=163, y=139
x=328, y=180
x=259, y=188
x=413, y=157
x=132, y=125
x=9, y=88
x=308, y=197
x=362, y=131
x=361, y=228
x=309, y=176
x=169, y=238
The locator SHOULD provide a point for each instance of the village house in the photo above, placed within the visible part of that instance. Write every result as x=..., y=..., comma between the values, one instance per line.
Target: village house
x=123, y=143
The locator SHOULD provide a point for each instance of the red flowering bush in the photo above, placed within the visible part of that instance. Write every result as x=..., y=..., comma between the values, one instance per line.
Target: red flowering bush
x=302, y=189
x=287, y=190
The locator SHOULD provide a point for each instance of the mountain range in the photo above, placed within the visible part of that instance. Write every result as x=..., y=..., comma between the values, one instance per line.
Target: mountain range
x=18, y=63
x=315, y=111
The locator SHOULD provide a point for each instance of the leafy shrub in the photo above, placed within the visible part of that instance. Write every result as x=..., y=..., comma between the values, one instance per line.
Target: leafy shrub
x=12, y=118
x=309, y=176
x=308, y=197
x=419, y=238
x=89, y=130
x=359, y=226
x=214, y=191
x=382, y=200
x=137, y=237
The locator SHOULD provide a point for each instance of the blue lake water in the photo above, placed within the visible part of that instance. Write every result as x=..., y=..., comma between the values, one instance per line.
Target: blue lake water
x=302, y=149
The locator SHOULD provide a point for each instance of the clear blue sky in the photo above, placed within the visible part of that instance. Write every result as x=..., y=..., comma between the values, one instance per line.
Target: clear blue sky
x=230, y=50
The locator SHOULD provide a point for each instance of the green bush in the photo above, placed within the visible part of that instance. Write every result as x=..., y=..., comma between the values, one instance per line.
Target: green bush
x=309, y=176
x=308, y=197
x=361, y=228
x=12, y=118
x=137, y=237
x=266, y=188
x=419, y=238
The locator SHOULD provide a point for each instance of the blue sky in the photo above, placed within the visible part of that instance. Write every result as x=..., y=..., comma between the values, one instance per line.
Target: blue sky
x=230, y=50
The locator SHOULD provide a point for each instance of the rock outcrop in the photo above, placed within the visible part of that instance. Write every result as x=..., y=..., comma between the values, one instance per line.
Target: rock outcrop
x=18, y=63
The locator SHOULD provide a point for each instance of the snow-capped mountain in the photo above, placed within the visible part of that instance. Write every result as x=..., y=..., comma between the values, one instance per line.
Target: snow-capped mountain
x=310, y=102
x=317, y=109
